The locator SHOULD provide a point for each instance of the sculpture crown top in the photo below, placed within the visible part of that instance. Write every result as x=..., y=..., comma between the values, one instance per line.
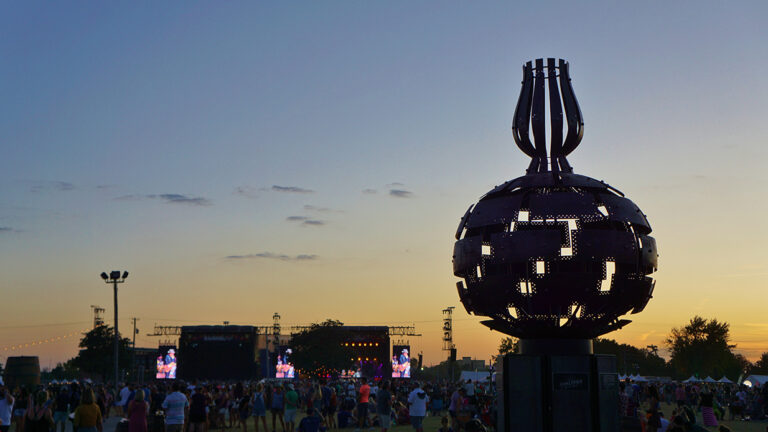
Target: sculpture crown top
x=530, y=114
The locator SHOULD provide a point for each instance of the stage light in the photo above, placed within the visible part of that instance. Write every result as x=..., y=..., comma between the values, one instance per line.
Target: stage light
x=104, y=276
x=125, y=274
x=377, y=344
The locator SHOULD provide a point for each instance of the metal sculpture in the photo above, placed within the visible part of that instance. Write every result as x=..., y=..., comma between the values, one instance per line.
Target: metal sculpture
x=552, y=254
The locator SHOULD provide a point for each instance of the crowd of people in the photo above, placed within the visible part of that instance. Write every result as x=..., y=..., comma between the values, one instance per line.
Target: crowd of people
x=673, y=407
x=299, y=405
x=305, y=405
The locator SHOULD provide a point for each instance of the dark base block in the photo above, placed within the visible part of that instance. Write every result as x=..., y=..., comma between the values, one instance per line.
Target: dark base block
x=554, y=393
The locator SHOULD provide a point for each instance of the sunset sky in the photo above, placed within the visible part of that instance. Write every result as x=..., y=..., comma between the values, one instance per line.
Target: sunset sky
x=314, y=158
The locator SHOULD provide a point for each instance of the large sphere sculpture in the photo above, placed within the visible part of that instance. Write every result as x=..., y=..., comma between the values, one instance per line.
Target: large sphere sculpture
x=552, y=254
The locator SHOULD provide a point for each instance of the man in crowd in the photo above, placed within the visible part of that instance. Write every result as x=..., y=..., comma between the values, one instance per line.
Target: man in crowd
x=326, y=393
x=291, y=406
x=198, y=416
x=417, y=400
x=6, y=407
x=124, y=395
x=176, y=407
x=61, y=409
x=384, y=405
x=362, y=406
x=312, y=422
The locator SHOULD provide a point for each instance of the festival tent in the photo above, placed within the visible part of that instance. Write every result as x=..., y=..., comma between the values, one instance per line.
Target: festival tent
x=709, y=379
x=475, y=376
x=757, y=380
x=725, y=380
x=692, y=379
x=639, y=378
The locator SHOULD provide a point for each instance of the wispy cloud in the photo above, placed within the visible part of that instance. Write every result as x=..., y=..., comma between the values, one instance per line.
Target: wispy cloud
x=305, y=220
x=369, y=191
x=6, y=229
x=247, y=191
x=51, y=186
x=171, y=198
x=313, y=222
x=312, y=208
x=400, y=193
x=395, y=184
x=309, y=207
x=296, y=218
x=274, y=256
x=291, y=189
x=182, y=199
x=130, y=197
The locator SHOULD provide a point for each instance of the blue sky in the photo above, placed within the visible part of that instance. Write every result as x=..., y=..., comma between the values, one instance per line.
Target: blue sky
x=151, y=138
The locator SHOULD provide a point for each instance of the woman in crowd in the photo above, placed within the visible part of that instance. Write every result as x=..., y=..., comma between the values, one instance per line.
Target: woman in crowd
x=259, y=410
x=243, y=406
x=38, y=416
x=136, y=413
x=87, y=414
x=654, y=407
x=278, y=407
x=20, y=408
x=707, y=403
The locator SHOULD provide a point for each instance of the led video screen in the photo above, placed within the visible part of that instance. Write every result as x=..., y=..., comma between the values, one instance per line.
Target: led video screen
x=166, y=364
x=401, y=361
x=284, y=367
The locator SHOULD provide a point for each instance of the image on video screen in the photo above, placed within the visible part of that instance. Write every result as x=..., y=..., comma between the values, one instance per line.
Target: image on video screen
x=401, y=361
x=166, y=364
x=284, y=367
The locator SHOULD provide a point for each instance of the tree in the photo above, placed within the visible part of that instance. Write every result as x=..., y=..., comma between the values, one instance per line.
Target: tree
x=702, y=347
x=62, y=371
x=632, y=360
x=321, y=349
x=97, y=353
x=761, y=366
x=508, y=345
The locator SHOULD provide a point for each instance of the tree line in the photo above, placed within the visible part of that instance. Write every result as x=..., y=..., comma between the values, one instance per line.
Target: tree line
x=700, y=348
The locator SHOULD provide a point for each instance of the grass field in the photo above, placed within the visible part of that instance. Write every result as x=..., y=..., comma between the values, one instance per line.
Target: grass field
x=735, y=425
x=432, y=424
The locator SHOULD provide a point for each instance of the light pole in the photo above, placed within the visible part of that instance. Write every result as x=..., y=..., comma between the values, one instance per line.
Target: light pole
x=115, y=278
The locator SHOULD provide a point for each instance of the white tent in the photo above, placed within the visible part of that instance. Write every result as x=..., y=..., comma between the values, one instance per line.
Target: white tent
x=475, y=376
x=639, y=378
x=709, y=379
x=757, y=380
x=725, y=380
x=692, y=379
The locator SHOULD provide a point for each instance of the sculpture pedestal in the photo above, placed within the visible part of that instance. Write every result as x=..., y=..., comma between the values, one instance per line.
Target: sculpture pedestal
x=558, y=392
